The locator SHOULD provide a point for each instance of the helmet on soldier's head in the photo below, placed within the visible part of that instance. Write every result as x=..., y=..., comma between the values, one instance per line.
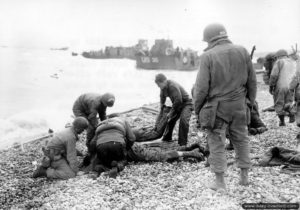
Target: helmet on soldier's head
x=281, y=53
x=108, y=99
x=270, y=56
x=213, y=32
x=80, y=123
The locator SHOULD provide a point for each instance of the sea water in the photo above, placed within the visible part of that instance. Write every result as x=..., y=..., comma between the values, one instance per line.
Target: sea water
x=39, y=86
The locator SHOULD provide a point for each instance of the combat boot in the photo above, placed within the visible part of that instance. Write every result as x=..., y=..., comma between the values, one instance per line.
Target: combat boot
x=253, y=131
x=244, y=177
x=195, y=154
x=261, y=129
x=219, y=183
x=100, y=169
x=292, y=118
x=281, y=118
x=40, y=172
x=113, y=172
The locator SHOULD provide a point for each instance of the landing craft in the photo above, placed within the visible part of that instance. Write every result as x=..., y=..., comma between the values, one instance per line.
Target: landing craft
x=163, y=56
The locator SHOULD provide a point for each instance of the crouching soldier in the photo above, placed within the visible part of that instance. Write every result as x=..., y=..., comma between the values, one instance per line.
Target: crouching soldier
x=181, y=108
x=60, y=160
x=89, y=105
x=114, y=157
x=112, y=139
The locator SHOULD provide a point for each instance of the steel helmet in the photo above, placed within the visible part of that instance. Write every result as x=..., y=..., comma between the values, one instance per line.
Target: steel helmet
x=213, y=32
x=108, y=99
x=281, y=53
x=80, y=123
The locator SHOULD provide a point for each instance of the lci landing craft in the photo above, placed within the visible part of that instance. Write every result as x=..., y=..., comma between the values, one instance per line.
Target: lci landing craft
x=163, y=56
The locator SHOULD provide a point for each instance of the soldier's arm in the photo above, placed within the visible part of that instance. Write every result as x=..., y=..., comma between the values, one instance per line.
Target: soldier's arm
x=93, y=118
x=102, y=113
x=251, y=81
x=177, y=99
x=201, y=85
x=162, y=99
x=274, y=74
x=71, y=155
x=295, y=81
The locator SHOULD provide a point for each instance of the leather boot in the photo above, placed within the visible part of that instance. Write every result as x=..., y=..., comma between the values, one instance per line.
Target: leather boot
x=253, y=131
x=194, y=154
x=244, y=177
x=40, y=172
x=219, y=183
x=281, y=118
x=261, y=129
x=113, y=172
x=292, y=118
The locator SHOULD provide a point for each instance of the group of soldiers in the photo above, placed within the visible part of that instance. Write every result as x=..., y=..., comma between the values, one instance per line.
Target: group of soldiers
x=223, y=99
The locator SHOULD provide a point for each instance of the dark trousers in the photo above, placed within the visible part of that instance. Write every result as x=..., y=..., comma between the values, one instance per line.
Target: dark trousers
x=184, y=116
x=110, y=151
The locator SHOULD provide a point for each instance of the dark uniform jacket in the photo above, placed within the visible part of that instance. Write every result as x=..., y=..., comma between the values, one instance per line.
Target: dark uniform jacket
x=89, y=105
x=221, y=79
x=177, y=94
x=115, y=129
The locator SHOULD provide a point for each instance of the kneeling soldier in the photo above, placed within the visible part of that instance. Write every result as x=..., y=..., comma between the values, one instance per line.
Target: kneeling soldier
x=60, y=160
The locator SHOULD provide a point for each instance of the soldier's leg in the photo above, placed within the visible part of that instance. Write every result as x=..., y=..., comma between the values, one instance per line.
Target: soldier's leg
x=167, y=136
x=148, y=154
x=240, y=140
x=184, y=124
x=60, y=169
x=279, y=100
x=145, y=153
x=217, y=157
x=289, y=98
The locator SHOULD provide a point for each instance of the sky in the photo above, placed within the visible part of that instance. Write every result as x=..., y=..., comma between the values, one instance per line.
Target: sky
x=94, y=24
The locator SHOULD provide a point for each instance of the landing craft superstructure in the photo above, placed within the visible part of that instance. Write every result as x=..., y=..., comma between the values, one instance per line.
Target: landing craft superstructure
x=163, y=56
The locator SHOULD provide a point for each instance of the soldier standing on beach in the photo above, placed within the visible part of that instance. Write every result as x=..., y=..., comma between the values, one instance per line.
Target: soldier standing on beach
x=89, y=105
x=181, y=109
x=283, y=70
x=225, y=79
